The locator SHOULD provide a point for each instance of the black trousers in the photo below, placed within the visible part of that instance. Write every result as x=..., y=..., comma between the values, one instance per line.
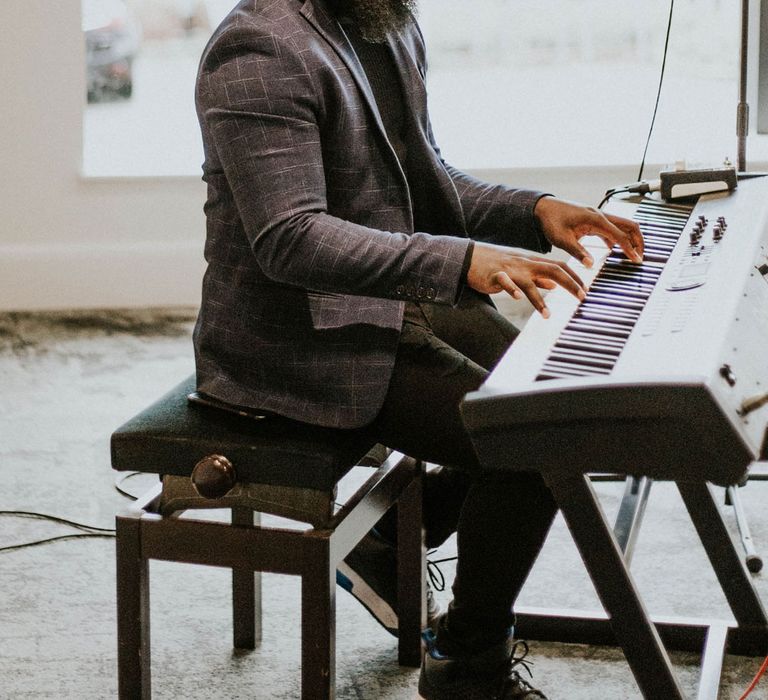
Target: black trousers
x=501, y=518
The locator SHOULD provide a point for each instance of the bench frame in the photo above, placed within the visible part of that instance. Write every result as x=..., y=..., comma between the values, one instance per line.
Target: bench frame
x=146, y=532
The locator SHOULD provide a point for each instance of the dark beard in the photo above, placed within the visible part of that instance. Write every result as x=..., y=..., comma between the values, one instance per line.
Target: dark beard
x=375, y=19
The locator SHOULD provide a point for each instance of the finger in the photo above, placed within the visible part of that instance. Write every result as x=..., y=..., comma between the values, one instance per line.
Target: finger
x=631, y=229
x=578, y=251
x=552, y=275
x=626, y=241
x=505, y=282
x=529, y=289
x=565, y=267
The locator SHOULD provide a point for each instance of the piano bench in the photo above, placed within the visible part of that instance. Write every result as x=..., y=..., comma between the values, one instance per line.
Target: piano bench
x=208, y=458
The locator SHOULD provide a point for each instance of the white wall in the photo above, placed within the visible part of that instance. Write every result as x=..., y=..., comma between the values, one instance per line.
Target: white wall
x=64, y=241
x=70, y=242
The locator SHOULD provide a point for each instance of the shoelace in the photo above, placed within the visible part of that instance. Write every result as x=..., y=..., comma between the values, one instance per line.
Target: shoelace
x=514, y=676
x=435, y=573
x=520, y=660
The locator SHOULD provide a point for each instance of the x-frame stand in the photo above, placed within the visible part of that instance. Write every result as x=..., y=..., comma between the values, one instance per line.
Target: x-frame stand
x=627, y=623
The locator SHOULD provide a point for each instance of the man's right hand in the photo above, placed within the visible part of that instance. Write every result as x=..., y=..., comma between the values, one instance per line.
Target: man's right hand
x=495, y=268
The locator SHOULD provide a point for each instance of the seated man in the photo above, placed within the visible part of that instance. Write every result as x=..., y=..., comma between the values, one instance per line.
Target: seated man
x=347, y=282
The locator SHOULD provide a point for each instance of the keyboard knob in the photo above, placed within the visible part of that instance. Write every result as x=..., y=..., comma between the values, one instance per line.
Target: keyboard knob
x=213, y=476
x=727, y=373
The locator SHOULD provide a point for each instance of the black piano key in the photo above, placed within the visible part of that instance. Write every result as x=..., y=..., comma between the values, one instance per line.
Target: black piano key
x=588, y=362
x=619, y=290
x=575, y=370
x=593, y=326
x=568, y=345
x=607, y=312
x=593, y=339
x=590, y=315
x=599, y=297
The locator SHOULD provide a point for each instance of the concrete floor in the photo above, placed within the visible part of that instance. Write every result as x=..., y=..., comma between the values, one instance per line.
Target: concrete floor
x=70, y=379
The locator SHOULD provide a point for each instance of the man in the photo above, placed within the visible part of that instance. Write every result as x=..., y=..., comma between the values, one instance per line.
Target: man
x=349, y=268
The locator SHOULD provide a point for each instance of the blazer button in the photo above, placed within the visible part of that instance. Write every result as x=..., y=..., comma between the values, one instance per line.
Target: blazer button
x=400, y=290
x=430, y=293
x=410, y=291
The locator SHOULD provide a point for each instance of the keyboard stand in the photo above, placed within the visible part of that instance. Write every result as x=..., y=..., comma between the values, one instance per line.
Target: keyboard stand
x=757, y=472
x=626, y=622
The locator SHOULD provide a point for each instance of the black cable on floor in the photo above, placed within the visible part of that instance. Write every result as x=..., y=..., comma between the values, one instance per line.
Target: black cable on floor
x=34, y=543
x=88, y=530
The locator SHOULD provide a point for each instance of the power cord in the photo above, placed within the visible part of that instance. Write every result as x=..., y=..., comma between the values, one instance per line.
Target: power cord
x=120, y=479
x=756, y=679
x=88, y=530
x=658, y=92
x=611, y=193
x=641, y=186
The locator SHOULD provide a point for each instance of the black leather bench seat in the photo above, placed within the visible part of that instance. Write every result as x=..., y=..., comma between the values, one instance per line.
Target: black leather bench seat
x=173, y=434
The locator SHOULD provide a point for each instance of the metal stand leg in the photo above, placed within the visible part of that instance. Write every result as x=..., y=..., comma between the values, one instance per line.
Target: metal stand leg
x=718, y=542
x=753, y=560
x=605, y=563
x=630, y=515
x=712, y=662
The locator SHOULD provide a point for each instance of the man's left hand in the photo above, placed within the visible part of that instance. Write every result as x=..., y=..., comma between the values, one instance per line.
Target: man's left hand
x=564, y=223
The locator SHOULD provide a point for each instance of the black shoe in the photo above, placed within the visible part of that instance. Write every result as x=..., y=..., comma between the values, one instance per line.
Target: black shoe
x=489, y=675
x=369, y=573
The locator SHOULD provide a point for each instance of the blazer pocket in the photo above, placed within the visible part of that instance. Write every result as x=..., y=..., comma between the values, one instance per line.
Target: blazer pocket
x=328, y=310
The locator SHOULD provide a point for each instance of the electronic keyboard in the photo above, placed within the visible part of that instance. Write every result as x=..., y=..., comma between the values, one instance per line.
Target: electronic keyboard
x=662, y=370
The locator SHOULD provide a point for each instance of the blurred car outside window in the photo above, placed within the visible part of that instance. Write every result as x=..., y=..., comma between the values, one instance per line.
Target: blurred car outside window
x=112, y=41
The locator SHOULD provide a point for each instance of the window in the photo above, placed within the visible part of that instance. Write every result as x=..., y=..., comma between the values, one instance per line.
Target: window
x=142, y=58
x=513, y=83
x=573, y=82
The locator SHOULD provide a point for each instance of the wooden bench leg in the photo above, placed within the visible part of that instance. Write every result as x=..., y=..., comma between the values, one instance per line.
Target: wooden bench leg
x=133, y=661
x=246, y=592
x=318, y=619
x=411, y=572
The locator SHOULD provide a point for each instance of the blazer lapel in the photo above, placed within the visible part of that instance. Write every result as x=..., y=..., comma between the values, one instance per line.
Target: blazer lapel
x=415, y=91
x=414, y=88
x=413, y=81
x=318, y=16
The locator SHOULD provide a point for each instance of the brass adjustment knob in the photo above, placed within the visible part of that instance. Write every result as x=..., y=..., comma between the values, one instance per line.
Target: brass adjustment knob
x=753, y=403
x=213, y=476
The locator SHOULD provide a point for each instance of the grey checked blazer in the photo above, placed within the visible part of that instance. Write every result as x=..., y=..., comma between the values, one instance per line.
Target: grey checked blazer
x=311, y=246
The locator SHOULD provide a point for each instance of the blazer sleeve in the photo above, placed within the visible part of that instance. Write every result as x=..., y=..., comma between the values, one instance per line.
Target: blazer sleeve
x=260, y=109
x=493, y=213
x=497, y=213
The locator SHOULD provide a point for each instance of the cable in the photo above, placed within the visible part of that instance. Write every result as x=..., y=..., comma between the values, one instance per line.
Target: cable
x=120, y=478
x=658, y=92
x=435, y=573
x=642, y=187
x=756, y=679
x=34, y=543
x=54, y=518
x=89, y=530
x=611, y=193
